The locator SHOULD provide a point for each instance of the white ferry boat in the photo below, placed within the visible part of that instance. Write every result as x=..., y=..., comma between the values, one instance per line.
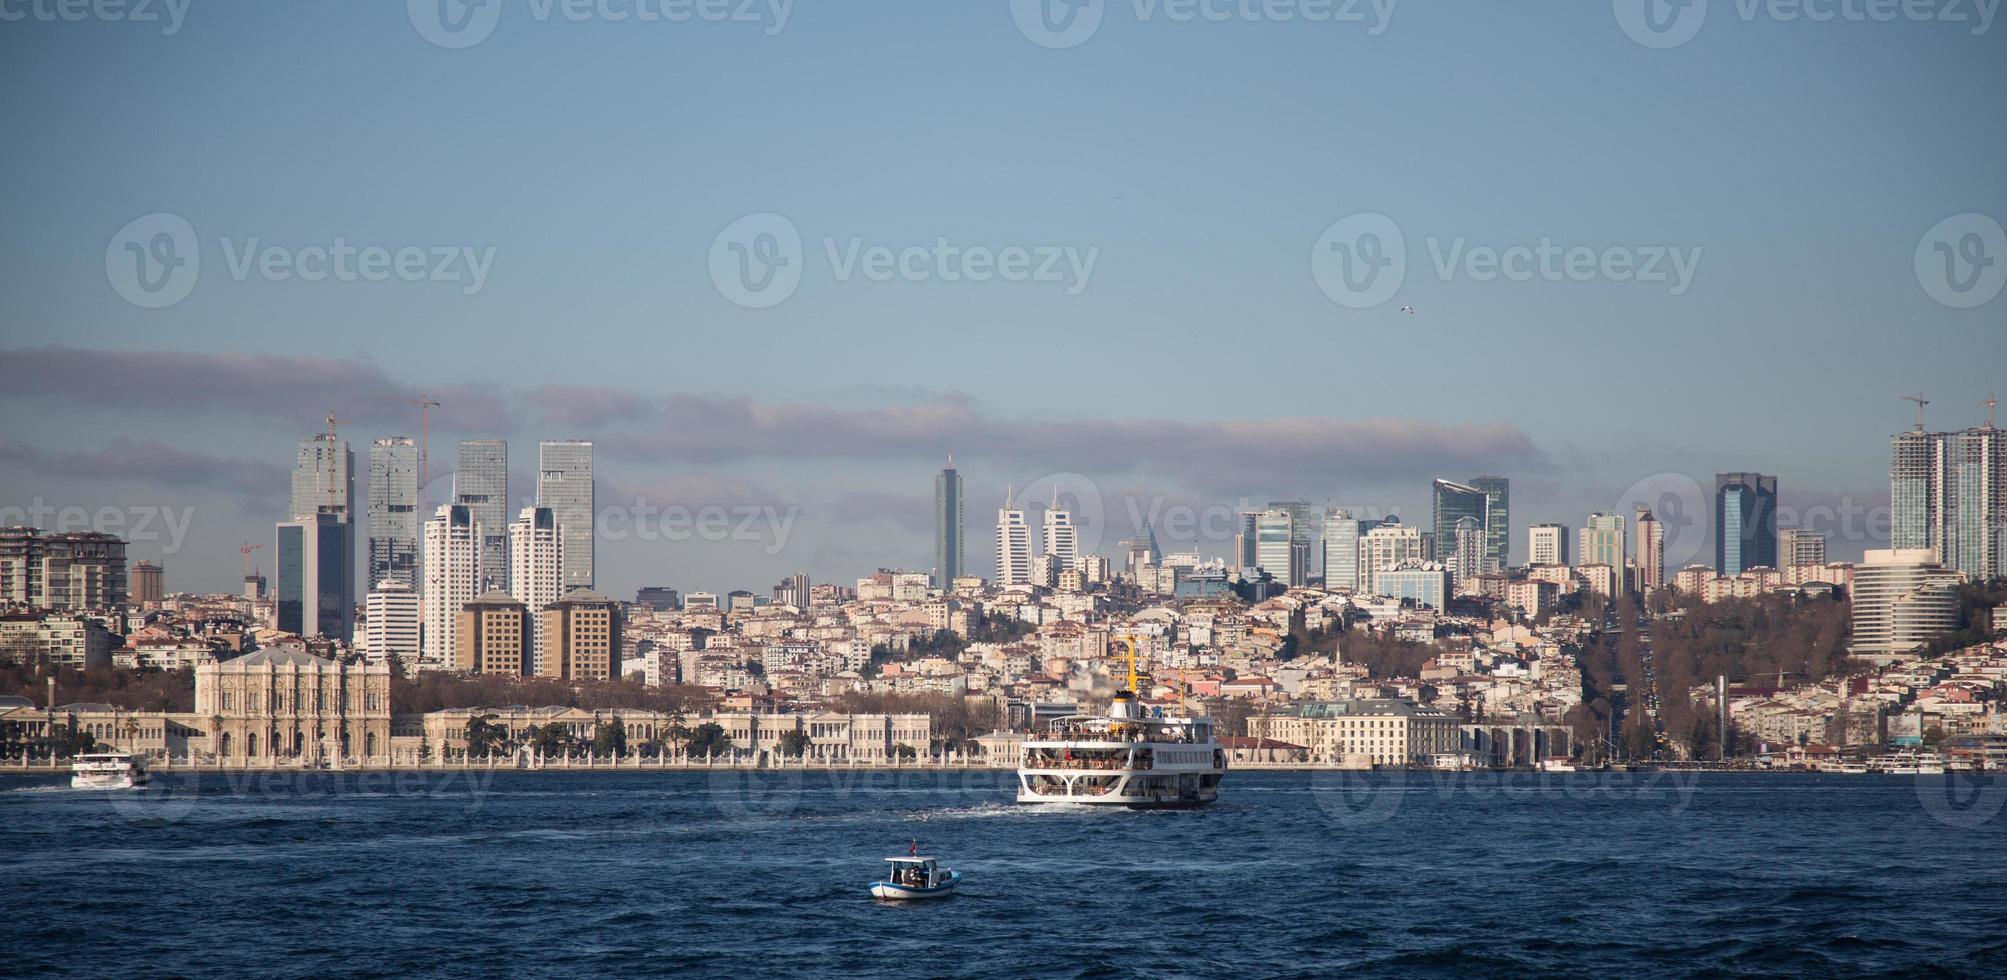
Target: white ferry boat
x=107, y=770
x=1907, y=763
x=1126, y=757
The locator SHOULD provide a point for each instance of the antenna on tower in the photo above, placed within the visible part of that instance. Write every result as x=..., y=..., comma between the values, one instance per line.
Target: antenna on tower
x=1920, y=403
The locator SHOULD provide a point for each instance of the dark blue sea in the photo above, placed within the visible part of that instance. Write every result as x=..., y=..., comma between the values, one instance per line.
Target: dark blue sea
x=1291, y=874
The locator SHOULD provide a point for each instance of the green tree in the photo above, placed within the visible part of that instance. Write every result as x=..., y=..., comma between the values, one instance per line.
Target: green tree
x=904, y=751
x=709, y=739
x=552, y=739
x=794, y=745
x=483, y=736
x=610, y=738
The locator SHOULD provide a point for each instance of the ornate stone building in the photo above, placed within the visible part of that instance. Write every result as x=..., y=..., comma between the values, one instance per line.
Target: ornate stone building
x=289, y=706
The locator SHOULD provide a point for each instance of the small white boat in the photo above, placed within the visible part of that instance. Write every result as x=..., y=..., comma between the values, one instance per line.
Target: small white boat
x=915, y=876
x=107, y=770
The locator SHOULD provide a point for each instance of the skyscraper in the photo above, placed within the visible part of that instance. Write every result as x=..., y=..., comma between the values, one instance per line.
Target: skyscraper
x=1062, y=540
x=324, y=484
x=391, y=626
x=947, y=524
x=1453, y=502
x=481, y=484
x=1602, y=542
x=1341, y=549
x=393, y=512
x=1948, y=491
x=1745, y=520
x=316, y=569
x=1302, y=537
x=1498, y=519
x=1244, y=539
x=454, y=553
x=1651, y=551
x=564, y=484
x=1469, y=553
x=1275, y=548
x=1547, y=544
x=536, y=565
x=1013, y=545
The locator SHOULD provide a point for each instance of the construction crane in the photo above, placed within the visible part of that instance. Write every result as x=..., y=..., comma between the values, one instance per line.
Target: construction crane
x=332, y=444
x=425, y=406
x=1991, y=403
x=1920, y=403
x=247, y=549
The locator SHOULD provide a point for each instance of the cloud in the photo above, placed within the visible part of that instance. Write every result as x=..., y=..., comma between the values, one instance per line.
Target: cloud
x=179, y=382
x=1310, y=456
x=149, y=462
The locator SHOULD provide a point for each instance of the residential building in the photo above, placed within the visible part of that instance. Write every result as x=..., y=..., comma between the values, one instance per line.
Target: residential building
x=147, y=583
x=1651, y=568
x=1062, y=539
x=455, y=566
x=580, y=637
x=1948, y=491
x=1798, y=547
x=536, y=564
x=1382, y=548
x=1547, y=544
x=392, y=622
x=1601, y=541
x=1013, y=546
x=62, y=571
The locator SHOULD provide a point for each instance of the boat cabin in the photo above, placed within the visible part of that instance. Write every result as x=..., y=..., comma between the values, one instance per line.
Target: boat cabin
x=914, y=872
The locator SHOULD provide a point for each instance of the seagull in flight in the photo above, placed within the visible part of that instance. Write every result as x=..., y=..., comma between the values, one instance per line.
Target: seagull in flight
x=1407, y=309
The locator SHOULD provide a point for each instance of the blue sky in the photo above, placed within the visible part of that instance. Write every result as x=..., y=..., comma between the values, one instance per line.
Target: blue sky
x=599, y=160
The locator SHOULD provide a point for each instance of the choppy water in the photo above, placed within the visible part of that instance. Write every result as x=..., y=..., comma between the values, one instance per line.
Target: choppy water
x=1292, y=874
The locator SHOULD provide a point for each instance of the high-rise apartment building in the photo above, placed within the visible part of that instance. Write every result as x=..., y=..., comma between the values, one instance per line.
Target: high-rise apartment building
x=69, y=570
x=481, y=484
x=314, y=576
x=536, y=564
x=1468, y=554
x=1547, y=544
x=1013, y=545
x=455, y=559
x=1601, y=541
x=1797, y=546
x=1497, y=519
x=393, y=511
x=564, y=484
x=948, y=553
x=1745, y=521
x=1341, y=550
x=1651, y=571
x=1948, y=492
x=1452, y=502
x=794, y=591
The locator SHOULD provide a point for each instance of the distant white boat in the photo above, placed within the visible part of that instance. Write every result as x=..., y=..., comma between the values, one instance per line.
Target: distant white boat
x=107, y=770
x=1556, y=765
x=915, y=877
